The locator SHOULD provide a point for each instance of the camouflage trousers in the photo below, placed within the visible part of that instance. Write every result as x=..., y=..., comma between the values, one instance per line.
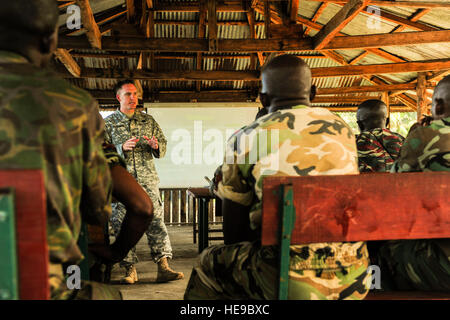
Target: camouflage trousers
x=157, y=235
x=247, y=270
x=89, y=290
x=414, y=265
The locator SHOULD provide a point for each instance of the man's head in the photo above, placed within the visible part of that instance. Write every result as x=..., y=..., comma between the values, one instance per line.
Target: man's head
x=440, y=107
x=286, y=82
x=126, y=94
x=372, y=114
x=29, y=27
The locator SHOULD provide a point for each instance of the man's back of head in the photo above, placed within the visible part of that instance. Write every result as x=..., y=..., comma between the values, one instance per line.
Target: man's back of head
x=286, y=82
x=29, y=24
x=441, y=99
x=372, y=114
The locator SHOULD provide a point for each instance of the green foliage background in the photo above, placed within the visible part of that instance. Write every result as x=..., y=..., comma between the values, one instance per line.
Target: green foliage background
x=400, y=121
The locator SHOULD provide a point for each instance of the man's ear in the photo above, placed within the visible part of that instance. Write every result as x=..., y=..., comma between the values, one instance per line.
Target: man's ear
x=118, y=97
x=312, y=93
x=387, y=122
x=48, y=43
x=360, y=125
x=265, y=99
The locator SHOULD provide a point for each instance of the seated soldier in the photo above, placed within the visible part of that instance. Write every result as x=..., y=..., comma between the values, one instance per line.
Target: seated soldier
x=50, y=125
x=422, y=264
x=312, y=141
x=377, y=146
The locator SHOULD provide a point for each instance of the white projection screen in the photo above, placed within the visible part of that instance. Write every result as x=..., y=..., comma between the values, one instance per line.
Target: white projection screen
x=196, y=134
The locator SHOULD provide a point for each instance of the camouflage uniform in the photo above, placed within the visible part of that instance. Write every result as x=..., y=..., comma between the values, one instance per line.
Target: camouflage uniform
x=420, y=264
x=120, y=128
x=48, y=124
x=312, y=141
x=378, y=149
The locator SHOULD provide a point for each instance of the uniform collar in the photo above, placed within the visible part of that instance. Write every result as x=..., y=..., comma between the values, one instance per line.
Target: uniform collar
x=300, y=106
x=136, y=116
x=12, y=57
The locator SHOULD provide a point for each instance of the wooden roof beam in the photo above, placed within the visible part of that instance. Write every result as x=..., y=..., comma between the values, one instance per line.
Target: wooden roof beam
x=350, y=10
x=365, y=89
x=389, y=3
x=118, y=43
x=347, y=70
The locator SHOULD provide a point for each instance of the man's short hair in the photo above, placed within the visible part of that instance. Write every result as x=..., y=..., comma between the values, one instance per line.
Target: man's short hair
x=370, y=108
x=35, y=17
x=119, y=85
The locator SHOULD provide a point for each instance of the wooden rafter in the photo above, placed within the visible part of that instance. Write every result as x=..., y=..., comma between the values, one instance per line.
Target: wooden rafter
x=350, y=10
x=71, y=65
x=92, y=31
x=316, y=16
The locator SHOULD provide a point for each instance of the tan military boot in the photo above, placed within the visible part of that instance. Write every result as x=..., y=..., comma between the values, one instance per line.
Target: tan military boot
x=130, y=275
x=166, y=274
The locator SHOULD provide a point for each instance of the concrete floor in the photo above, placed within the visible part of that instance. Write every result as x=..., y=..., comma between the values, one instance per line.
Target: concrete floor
x=184, y=256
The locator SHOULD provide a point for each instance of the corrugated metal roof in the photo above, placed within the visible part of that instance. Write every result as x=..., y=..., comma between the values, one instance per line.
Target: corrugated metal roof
x=361, y=24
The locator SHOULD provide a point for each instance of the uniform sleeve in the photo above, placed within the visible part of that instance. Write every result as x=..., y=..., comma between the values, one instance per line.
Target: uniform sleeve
x=97, y=184
x=233, y=185
x=109, y=140
x=112, y=156
x=412, y=148
x=162, y=142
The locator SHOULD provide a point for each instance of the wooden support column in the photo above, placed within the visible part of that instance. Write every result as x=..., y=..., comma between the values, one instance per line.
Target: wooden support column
x=421, y=90
x=294, y=11
x=201, y=35
x=267, y=18
x=253, y=56
x=385, y=99
x=212, y=26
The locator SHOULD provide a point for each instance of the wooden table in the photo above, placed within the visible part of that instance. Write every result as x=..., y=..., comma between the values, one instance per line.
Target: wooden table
x=204, y=197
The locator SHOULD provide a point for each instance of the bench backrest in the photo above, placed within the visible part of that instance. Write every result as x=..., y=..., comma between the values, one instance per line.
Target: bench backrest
x=30, y=220
x=379, y=206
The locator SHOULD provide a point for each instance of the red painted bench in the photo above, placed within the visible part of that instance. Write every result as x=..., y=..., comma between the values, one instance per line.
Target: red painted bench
x=380, y=206
x=28, y=250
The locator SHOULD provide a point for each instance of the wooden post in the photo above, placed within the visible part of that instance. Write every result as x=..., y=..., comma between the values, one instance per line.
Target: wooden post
x=421, y=90
x=267, y=18
x=385, y=99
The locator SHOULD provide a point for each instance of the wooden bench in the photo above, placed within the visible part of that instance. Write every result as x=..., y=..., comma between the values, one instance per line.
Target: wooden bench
x=382, y=206
x=23, y=236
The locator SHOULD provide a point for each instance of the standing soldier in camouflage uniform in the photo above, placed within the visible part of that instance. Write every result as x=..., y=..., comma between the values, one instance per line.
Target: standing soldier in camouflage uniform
x=48, y=124
x=311, y=141
x=378, y=147
x=422, y=264
x=138, y=138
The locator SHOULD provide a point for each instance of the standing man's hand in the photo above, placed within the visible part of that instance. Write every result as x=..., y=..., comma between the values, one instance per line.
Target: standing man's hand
x=153, y=142
x=130, y=144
